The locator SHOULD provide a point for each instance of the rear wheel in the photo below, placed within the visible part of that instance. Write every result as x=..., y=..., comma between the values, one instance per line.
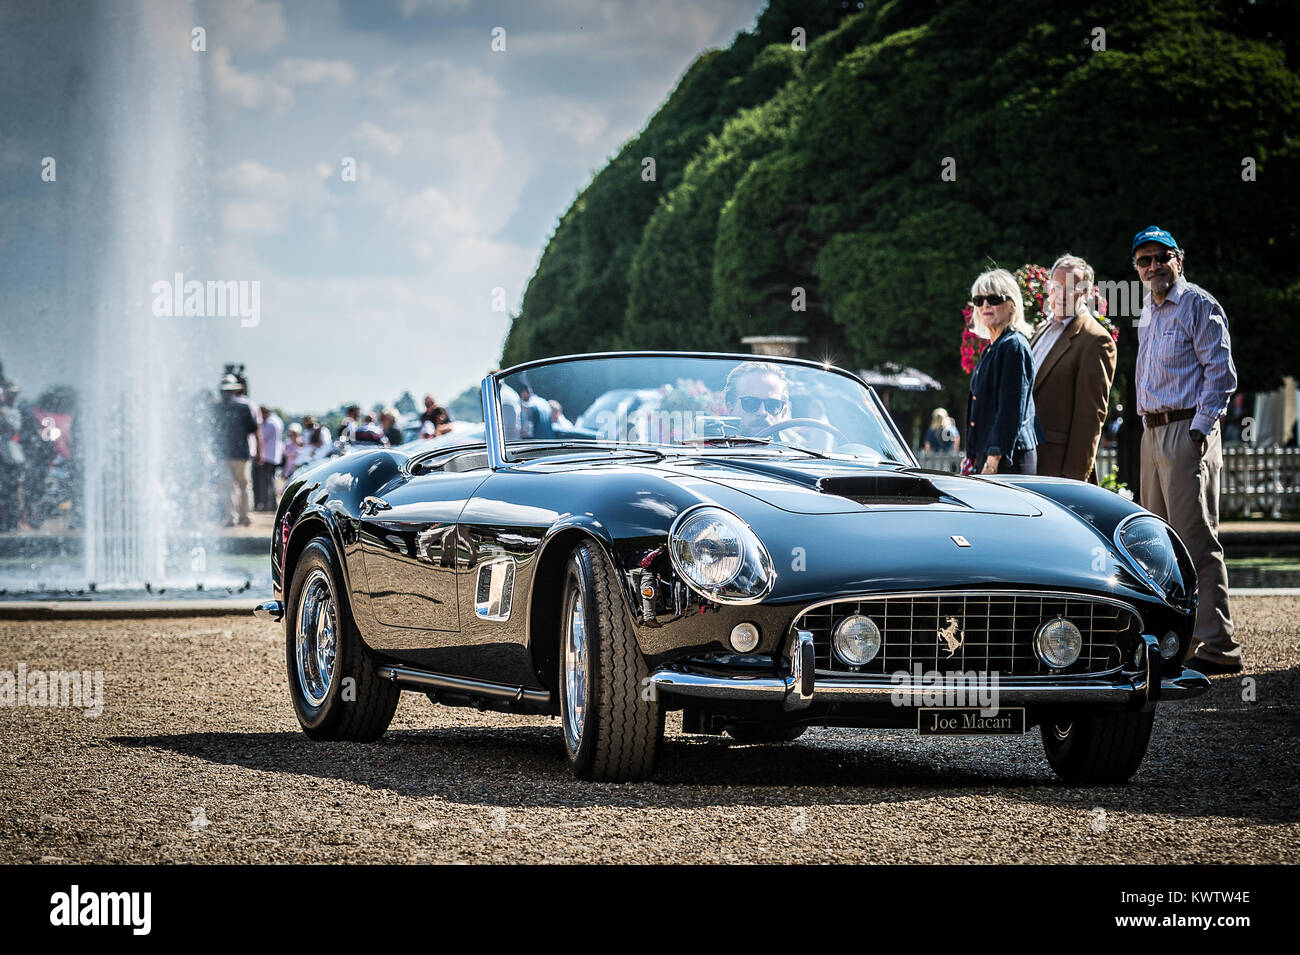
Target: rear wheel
x=764, y=732
x=336, y=692
x=1098, y=749
x=613, y=725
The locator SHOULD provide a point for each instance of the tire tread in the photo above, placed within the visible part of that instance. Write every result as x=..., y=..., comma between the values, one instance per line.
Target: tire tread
x=1108, y=748
x=628, y=742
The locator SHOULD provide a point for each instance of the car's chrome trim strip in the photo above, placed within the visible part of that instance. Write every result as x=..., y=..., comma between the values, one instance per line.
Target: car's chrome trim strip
x=883, y=690
x=426, y=680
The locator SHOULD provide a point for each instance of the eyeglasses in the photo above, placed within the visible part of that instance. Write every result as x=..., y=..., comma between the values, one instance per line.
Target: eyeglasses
x=979, y=300
x=1144, y=261
x=751, y=403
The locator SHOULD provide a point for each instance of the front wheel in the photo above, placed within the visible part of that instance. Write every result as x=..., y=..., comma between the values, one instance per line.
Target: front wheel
x=613, y=723
x=337, y=693
x=1098, y=749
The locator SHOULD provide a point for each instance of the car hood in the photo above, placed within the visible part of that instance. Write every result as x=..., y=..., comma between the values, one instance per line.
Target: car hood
x=834, y=487
x=906, y=529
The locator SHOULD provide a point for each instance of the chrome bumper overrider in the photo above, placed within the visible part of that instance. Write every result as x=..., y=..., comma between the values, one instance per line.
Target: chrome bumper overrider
x=269, y=610
x=799, y=687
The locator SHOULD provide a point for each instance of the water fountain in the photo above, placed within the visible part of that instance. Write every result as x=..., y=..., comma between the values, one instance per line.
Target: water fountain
x=132, y=209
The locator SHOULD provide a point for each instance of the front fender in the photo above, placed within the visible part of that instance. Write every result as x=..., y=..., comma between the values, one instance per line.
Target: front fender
x=1097, y=506
x=1105, y=510
x=328, y=495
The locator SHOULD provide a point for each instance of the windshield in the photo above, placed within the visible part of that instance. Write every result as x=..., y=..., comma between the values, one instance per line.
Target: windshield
x=698, y=402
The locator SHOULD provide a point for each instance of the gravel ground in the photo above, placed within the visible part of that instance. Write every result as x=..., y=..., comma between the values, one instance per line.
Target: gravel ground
x=197, y=757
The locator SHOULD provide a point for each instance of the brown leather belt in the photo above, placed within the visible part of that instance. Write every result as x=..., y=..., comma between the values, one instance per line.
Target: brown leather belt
x=1166, y=417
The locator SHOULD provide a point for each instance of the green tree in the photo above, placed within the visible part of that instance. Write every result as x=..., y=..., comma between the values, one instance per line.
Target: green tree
x=913, y=145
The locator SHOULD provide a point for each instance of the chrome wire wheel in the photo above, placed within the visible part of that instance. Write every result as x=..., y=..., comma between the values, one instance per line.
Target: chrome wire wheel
x=316, y=642
x=575, y=667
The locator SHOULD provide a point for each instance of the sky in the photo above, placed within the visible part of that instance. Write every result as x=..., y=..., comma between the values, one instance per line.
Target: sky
x=464, y=155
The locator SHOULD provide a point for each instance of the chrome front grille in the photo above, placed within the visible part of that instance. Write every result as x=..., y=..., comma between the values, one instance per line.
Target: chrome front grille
x=996, y=631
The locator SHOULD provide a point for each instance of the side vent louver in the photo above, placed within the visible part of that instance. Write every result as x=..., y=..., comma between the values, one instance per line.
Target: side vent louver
x=495, y=588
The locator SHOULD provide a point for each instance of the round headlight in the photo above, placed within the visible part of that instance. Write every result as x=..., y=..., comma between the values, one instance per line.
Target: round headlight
x=1146, y=540
x=856, y=640
x=719, y=557
x=708, y=549
x=1058, y=643
x=1169, y=645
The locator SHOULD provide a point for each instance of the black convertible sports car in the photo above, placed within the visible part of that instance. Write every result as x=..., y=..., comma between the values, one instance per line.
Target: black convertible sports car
x=748, y=541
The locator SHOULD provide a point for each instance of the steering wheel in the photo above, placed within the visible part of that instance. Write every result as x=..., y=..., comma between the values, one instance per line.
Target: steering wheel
x=776, y=426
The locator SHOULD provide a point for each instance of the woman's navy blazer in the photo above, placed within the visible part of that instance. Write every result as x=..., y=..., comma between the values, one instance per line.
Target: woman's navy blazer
x=1000, y=417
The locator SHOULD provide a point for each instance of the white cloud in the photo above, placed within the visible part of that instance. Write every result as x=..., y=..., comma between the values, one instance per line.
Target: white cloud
x=247, y=25
x=408, y=8
x=445, y=143
x=613, y=31
x=247, y=90
x=414, y=320
x=251, y=177
x=433, y=220
x=250, y=216
x=580, y=123
x=370, y=134
x=298, y=71
x=433, y=82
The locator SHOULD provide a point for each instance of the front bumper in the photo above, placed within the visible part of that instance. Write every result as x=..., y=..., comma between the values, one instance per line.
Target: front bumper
x=798, y=686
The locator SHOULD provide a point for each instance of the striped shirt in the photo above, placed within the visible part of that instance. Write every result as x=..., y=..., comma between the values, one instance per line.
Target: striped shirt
x=1184, y=357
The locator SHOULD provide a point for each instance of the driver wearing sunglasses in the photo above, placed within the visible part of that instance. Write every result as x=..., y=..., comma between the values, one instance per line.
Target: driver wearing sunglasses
x=758, y=394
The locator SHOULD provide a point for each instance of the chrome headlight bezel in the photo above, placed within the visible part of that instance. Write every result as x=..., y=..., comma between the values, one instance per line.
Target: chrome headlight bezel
x=1171, y=585
x=754, y=577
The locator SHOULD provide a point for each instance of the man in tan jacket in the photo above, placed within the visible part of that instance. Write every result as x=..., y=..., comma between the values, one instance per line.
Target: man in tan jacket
x=1074, y=364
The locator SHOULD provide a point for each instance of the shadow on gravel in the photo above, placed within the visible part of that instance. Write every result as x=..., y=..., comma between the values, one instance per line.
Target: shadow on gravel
x=525, y=766
x=1205, y=760
x=1218, y=755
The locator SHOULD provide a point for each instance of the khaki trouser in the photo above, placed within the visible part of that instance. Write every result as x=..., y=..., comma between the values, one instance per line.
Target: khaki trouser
x=239, y=487
x=1183, y=488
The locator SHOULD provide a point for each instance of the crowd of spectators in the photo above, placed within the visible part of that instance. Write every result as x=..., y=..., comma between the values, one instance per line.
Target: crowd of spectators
x=260, y=453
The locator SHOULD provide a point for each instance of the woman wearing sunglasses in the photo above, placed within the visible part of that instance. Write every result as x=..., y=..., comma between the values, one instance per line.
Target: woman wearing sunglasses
x=1000, y=436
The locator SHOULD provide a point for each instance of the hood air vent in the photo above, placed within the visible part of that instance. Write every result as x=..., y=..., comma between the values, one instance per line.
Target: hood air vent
x=883, y=489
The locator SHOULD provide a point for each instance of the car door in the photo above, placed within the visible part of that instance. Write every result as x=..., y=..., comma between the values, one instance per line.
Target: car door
x=410, y=545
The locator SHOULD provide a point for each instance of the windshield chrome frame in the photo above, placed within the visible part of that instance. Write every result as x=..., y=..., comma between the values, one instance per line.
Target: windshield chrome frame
x=499, y=457
x=493, y=435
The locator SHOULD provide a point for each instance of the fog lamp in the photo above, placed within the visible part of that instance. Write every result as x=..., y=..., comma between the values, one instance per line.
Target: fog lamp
x=1058, y=643
x=856, y=640
x=1169, y=645
x=744, y=637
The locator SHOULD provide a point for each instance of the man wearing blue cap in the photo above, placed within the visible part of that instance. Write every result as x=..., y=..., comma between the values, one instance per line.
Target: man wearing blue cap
x=1185, y=379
